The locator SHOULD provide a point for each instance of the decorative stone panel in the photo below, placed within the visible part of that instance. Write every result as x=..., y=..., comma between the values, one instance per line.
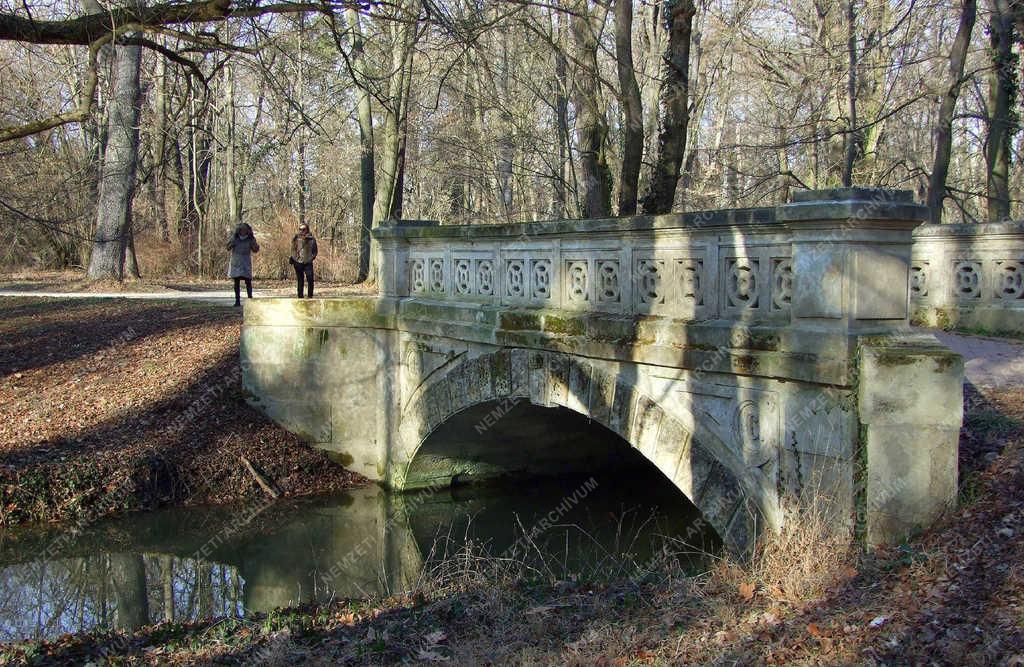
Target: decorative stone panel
x=966, y=279
x=782, y=283
x=1009, y=280
x=742, y=284
x=919, y=276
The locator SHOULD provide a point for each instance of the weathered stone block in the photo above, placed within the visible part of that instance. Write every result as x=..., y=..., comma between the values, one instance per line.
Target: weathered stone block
x=520, y=372
x=880, y=280
x=910, y=402
x=911, y=380
x=818, y=283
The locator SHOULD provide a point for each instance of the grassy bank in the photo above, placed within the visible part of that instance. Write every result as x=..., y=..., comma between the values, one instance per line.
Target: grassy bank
x=112, y=405
x=954, y=595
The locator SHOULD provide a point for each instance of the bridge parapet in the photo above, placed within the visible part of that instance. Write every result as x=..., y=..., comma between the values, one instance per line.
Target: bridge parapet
x=969, y=276
x=835, y=259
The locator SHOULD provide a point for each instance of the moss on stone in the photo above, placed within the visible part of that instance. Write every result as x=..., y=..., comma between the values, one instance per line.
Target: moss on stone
x=944, y=319
x=341, y=458
x=566, y=326
x=519, y=321
x=890, y=358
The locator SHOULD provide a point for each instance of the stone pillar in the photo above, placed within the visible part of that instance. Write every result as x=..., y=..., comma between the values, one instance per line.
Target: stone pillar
x=394, y=255
x=910, y=405
x=393, y=274
x=851, y=257
x=851, y=270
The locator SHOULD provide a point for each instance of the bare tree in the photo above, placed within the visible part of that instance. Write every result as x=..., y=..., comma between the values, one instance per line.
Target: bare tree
x=944, y=123
x=632, y=109
x=120, y=160
x=673, y=100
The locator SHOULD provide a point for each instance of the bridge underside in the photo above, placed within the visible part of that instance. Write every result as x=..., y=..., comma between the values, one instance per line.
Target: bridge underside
x=512, y=439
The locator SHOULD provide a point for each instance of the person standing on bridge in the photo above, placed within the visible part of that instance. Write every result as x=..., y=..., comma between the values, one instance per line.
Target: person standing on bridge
x=242, y=246
x=303, y=254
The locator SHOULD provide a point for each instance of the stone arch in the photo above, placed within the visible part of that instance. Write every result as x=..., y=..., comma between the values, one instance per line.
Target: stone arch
x=549, y=379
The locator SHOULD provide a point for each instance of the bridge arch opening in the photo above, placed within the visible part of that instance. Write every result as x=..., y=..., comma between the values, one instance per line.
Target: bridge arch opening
x=527, y=414
x=568, y=481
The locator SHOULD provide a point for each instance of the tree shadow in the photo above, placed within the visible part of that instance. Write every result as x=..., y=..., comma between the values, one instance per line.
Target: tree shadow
x=70, y=329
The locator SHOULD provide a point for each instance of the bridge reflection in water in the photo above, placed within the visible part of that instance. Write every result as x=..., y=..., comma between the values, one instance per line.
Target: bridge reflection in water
x=206, y=562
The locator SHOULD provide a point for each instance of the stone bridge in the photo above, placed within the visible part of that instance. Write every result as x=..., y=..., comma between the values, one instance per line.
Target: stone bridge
x=761, y=359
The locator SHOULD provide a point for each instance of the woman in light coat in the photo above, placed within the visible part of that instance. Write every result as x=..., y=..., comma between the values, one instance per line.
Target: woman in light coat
x=242, y=245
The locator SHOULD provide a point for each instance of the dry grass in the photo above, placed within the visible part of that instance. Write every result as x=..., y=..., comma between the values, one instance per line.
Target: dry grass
x=799, y=563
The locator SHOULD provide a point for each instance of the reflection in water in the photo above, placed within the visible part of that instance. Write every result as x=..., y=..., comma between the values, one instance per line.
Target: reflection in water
x=180, y=565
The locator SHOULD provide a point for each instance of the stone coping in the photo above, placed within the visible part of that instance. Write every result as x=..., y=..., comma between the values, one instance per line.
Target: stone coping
x=745, y=217
x=853, y=204
x=977, y=230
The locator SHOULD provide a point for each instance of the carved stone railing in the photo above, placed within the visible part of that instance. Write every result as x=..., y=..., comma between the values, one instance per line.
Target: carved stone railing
x=834, y=259
x=969, y=276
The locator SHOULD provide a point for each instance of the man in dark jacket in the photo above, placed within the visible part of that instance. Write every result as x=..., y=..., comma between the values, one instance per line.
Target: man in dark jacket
x=303, y=254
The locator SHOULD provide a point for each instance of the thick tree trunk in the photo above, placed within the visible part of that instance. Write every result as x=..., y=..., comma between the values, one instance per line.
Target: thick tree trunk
x=673, y=99
x=366, y=166
x=120, y=161
x=159, y=175
x=632, y=109
x=1001, y=125
x=944, y=124
x=591, y=126
x=389, y=183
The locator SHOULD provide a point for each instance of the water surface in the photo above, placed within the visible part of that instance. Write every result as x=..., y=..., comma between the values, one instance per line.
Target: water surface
x=186, y=564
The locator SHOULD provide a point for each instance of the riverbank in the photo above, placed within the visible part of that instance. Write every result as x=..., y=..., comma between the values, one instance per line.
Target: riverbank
x=114, y=405
x=954, y=595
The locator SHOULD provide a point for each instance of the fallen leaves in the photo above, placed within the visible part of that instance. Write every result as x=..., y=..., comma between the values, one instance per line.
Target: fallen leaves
x=87, y=408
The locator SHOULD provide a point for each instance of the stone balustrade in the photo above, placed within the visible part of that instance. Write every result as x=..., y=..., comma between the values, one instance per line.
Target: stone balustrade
x=969, y=276
x=852, y=247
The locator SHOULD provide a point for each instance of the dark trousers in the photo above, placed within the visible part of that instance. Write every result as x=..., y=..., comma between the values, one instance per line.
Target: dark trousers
x=304, y=272
x=238, y=288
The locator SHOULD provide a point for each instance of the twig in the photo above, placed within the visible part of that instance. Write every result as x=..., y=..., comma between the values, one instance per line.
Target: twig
x=260, y=479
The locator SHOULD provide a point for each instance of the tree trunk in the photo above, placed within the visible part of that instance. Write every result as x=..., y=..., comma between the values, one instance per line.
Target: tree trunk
x=120, y=161
x=389, y=183
x=591, y=126
x=128, y=574
x=366, y=166
x=302, y=122
x=632, y=108
x=851, y=92
x=673, y=98
x=131, y=261
x=944, y=124
x=561, y=118
x=1001, y=125
x=159, y=175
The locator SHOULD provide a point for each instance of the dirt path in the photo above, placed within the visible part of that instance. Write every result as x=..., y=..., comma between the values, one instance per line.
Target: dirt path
x=988, y=362
x=218, y=297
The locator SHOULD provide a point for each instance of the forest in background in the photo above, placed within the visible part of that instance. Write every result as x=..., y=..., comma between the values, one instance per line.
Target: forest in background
x=135, y=137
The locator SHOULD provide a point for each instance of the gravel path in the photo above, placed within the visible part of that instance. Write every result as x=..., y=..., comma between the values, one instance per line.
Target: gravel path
x=988, y=362
x=220, y=297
